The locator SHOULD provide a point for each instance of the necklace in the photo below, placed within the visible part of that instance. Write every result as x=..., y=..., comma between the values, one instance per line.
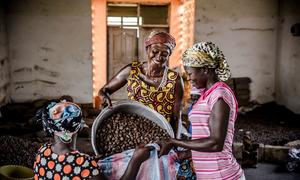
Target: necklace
x=157, y=76
x=155, y=80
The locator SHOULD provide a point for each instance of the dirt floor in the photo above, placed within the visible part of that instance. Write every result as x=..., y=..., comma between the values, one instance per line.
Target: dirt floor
x=18, y=151
x=270, y=124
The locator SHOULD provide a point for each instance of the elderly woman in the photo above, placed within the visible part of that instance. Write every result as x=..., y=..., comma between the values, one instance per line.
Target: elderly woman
x=61, y=160
x=212, y=116
x=151, y=83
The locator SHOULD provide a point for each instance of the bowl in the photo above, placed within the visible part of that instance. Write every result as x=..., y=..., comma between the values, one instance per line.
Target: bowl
x=13, y=172
x=130, y=107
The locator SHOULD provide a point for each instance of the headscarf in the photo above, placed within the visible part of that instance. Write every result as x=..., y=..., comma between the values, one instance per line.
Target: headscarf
x=64, y=124
x=161, y=37
x=207, y=54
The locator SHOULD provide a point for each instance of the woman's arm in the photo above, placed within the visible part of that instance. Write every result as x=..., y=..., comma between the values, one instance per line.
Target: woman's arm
x=218, y=123
x=100, y=176
x=177, y=106
x=117, y=82
x=140, y=155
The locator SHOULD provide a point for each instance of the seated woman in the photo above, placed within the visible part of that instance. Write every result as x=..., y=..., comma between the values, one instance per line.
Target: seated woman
x=212, y=116
x=60, y=159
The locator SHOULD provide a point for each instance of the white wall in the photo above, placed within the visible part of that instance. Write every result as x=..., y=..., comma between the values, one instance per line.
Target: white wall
x=288, y=66
x=4, y=63
x=246, y=32
x=50, y=49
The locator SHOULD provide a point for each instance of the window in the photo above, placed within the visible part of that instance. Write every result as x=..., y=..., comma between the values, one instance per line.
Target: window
x=137, y=15
x=114, y=20
x=154, y=15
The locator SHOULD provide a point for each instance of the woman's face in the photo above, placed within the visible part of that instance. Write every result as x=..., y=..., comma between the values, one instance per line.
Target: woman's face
x=196, y=76
x=158, y=54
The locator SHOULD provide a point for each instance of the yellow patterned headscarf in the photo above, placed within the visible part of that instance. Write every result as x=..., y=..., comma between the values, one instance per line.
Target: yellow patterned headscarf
x=207, y=54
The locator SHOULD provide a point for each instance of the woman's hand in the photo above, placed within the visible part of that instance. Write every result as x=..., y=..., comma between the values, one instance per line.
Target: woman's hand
x=104, y=97
x=184, y=154
x=165, y=147
x=142, y=153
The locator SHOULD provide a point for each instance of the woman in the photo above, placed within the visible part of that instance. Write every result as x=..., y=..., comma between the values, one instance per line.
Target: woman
x=212, y=116
x=151, y=83
x=61, y=160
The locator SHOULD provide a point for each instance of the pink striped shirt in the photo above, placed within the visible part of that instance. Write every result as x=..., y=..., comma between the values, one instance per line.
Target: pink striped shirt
x=214, y=165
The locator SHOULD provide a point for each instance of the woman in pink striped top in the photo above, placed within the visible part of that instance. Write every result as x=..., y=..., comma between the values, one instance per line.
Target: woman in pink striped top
x=212, y=116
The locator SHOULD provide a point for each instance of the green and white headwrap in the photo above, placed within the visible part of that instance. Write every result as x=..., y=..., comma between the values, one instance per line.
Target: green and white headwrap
x=207, y=54
x=66, y=124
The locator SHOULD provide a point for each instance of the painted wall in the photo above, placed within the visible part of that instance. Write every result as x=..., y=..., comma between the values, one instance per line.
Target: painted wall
x=50, y=49
x=287, y=71
x=4, y=63
x=99, y=39
x=246, y=31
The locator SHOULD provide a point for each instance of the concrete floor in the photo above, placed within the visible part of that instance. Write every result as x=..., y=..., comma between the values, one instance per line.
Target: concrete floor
x=266, y=171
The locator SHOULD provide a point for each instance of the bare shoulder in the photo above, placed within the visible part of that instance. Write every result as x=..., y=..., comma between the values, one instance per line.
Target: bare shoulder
x=126, y=68
x=125, y=71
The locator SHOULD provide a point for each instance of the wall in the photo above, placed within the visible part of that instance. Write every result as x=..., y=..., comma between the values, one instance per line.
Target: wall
x=182, y=21
x=246, y=31
x=50, y=49
x=4, y=63
x=99, y=46
x=287, y=71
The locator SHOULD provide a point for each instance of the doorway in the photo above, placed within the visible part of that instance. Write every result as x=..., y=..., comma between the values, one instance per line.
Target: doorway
x=127, y=27
x=180, y=24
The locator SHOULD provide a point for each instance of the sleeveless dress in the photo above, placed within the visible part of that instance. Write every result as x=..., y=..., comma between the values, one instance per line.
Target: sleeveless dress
x=161, y=98
x=214, y=165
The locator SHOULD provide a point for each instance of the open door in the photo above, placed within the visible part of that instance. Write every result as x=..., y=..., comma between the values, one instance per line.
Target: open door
x=122, y=49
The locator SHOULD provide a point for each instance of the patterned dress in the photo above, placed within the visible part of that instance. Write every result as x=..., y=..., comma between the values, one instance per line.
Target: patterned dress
x=214, y=165
x=70, y=166
x=162, y=100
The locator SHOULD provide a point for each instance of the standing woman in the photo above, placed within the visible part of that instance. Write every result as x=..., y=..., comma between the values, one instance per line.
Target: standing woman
x=151, y=83
x=212, y=116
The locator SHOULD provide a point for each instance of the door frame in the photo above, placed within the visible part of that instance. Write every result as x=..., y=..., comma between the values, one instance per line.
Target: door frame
x=184, y=36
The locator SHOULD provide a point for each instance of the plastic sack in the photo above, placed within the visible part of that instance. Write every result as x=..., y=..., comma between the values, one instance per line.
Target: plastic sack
x=154, y=168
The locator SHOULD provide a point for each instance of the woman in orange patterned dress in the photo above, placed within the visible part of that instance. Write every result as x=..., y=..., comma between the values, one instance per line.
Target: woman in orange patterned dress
x=61, y=160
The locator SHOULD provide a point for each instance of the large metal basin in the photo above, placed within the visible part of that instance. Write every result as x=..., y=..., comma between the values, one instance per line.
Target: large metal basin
x=132, y=107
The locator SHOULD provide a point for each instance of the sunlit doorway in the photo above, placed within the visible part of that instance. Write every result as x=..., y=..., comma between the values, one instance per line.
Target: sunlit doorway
x=127, y=27
x=180, y=23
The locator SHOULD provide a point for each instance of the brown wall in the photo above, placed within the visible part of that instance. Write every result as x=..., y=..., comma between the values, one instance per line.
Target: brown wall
x=50, y=46
x=288, y=54
x=4, y=63
x=246, y=32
